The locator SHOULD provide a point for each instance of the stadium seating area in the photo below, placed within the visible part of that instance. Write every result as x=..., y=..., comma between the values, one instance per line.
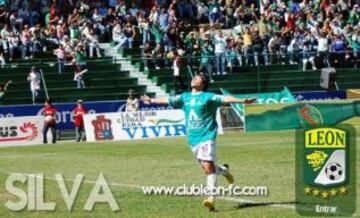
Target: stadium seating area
x=104, y=81
x=252, y=79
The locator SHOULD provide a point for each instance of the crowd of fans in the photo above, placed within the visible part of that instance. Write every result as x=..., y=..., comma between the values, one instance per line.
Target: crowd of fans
x=228, y=33
x=222, y=33
x=30, y=27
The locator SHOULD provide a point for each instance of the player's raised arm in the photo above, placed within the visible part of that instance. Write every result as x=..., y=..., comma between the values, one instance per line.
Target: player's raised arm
x=231, y=99
x=147, y=100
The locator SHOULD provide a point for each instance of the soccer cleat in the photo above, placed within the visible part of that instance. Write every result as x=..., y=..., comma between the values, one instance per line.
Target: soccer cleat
x=210, y=204
x=228, y=176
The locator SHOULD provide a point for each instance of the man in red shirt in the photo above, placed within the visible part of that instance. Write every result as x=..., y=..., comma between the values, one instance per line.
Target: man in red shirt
x=49, y=112
x=79, y=112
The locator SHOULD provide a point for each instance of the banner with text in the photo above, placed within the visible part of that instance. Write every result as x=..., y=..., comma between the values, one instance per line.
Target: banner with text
x=319, y=95
x=64, y=116
x=262, y=98
x=136, y=125
x=21, y=130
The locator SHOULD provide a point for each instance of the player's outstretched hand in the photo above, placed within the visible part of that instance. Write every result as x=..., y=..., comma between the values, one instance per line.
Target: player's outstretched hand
x=250, y=100
x=146, y=99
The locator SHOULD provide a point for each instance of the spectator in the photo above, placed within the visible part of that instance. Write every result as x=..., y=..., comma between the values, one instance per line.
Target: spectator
x=323, y=48
x=258, y=47
x=132, y=103
x=248, y=42
x=3, y=89
x=308, y=56
x=79, y=113
x=80, y=55
x=79, y=74
x=147, y=55
x=158, y=54
x=75, y=33
x=129, y=33
x=61, y=55
x=5, y=34
x=231, y=56
x=144, y=27
x=37, y=38
x=35, y=83
x=220, y=48
x=93, y=43
x=163, y=19
x=214, y=16
x=206, y=61
x=26, y=40
x=178, y=82
x=202, y=13
x=338, y=46
x=293, y=50
x=49, y=113
x=14, y=44
x=118, y=36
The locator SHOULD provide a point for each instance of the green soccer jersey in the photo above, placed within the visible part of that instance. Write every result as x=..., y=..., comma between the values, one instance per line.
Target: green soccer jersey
x=200, y=115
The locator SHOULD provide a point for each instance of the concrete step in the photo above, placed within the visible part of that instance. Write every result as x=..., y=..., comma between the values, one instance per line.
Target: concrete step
x=134, y=72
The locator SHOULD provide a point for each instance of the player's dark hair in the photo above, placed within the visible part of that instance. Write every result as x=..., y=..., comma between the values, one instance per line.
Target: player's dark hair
x=206, y=81
x=48, y=101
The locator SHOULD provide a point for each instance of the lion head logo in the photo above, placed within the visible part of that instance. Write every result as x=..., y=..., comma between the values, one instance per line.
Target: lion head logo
x=316, y=159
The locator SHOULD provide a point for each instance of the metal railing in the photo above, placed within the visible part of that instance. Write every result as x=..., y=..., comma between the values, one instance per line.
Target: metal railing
x=44, y=85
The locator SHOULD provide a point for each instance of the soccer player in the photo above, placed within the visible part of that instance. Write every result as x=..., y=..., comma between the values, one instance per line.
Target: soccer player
x=49, y=112
x=200, y=114
x=79, y=113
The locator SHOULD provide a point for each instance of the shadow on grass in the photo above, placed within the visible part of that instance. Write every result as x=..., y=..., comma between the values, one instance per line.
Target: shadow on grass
x=246, y=205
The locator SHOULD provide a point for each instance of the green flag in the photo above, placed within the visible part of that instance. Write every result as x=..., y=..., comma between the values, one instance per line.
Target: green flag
x=262, y=98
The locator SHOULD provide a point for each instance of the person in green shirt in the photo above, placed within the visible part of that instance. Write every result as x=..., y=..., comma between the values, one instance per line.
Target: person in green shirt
x=207, y=54
x=156, y=31
x=80, y=55
x=200, y=108
x=3, y=89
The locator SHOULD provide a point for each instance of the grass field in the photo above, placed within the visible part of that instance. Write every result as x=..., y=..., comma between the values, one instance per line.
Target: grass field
x=266, y=159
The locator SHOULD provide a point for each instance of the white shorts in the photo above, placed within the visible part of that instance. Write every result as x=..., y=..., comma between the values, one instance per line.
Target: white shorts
x=205, y=151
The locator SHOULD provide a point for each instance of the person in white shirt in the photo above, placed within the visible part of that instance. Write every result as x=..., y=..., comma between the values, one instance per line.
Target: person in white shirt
x=93, y=43
x=26, y=40
x=323, y=48
x=14, y=42
x=293, y=50
x=179, y=85
x=118, y=36
x=61, y=55
x=202, y=12
x=132, y=103
x=220, y=48
x=5, y=34
x=153, y=17
x=35, y=83
x=97, y=19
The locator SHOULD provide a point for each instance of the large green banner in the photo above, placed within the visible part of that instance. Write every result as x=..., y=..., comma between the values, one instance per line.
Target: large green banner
x=300, y=115
x=262, y=98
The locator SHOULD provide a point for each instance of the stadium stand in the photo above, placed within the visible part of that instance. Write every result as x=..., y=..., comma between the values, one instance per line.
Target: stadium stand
x=104, y=81
x=250, y=79
x=264, y=43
